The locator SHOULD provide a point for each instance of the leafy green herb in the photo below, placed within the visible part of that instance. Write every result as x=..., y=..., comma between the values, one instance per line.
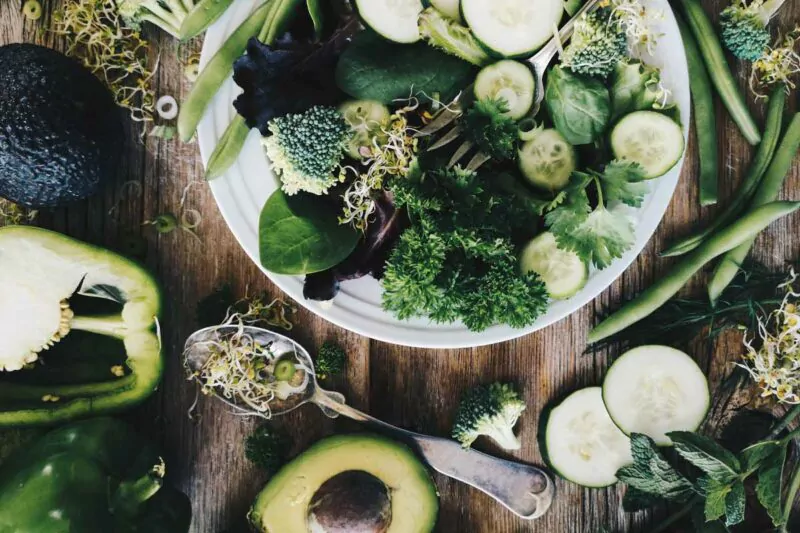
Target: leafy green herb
x=494, y=133
x=268, y=448
x=652, y=474
x=331, y=360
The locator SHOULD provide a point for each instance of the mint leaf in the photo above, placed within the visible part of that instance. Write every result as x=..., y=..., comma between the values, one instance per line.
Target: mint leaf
x=637, y=500
x=754, y=455
x=622, y=182
x=770, y=484
x=734, y=504
x=700, y=524
x=652, y=474
x=719, y=463
x=716, y=492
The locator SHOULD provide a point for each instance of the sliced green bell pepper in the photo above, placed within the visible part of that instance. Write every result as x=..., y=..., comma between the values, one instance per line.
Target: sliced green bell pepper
x=93, y=476
x=78, y=329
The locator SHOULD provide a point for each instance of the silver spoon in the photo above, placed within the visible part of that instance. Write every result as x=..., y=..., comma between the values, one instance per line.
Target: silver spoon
x=525, y=490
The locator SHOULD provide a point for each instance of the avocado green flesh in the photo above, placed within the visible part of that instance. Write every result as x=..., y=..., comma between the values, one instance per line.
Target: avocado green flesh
x=282, y=506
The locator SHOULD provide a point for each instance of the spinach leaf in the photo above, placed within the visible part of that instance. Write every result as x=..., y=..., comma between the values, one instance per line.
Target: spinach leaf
x=579, y=106
x=374, y=69
x=301, y=234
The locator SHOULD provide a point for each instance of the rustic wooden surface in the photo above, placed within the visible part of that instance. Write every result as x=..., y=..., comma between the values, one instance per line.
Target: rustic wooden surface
x=409, y=387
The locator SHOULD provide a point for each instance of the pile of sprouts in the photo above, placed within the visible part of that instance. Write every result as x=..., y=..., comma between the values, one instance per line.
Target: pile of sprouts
x=778, y=64
x=772, y=356
x=636, y=21
x=97, y=36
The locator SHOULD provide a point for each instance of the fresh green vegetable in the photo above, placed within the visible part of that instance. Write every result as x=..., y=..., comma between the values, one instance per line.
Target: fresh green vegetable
x=704, y=117
x=510, y=81
x=743, y=26
x=449, y=8
x=451, y=37
x=668, y=285
x=32, y=9
x=300, y=235
x=487, y=125
x=368, y=121
x=317, y=15
x=306, y=148
x=778, y=65
x=580, y=106
x=597, y=45
x=268, y=448
x=94, y=476
x=392, y=19
x=182, y=19
x=331, y=360
x=718, y=69
x=598, y=235
x=492, y=411
x=547, y=160
x=581, y=442
x=96, y=363
x=768, y=190
x=457, y=261
x=284, y=370
x=654, y=390
x=372, y=68
x=563, y=272
x=652, y=140
x=750, y=182
x=637, y=86
x=228, y=148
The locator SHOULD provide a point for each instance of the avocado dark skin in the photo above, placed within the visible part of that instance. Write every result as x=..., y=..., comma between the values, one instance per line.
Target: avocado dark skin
x=351, y=502
x=61, y=134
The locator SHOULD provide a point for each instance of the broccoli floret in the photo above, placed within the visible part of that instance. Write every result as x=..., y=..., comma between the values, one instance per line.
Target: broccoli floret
x=490, y=410
x=330, y=360
x=166, y=14
x=494, y=133
x=743, y=27
x=268, y=448
x=306, y=148
x=597, y=45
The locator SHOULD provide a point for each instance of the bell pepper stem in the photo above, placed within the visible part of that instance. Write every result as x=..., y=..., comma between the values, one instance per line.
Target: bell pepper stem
x=107, y=325
x=131, y=494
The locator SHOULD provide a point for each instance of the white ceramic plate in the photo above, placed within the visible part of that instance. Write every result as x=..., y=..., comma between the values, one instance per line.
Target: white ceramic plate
x=242, y=192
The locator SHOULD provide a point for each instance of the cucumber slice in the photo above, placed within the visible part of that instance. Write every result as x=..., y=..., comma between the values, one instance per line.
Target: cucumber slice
x=451, y=37
x=512, y=28
x=655, y=390
x=562, y=271
x=581, y=442
x=449, y=8
x=547, y=160
x=367, y=119
x=508, y=80
x=395, y=20
x=651, y=139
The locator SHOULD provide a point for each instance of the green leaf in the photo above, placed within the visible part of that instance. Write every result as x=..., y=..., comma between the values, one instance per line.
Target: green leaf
x=719, y=463
x=734, y=504
x=716, y=493
x=622, y=182
x=770, y=484
x=754, y=455
x=652, y=474
x=637, y=500
x=317, y=17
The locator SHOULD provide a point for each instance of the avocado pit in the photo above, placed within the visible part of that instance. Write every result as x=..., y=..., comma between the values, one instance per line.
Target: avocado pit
x=353, y=501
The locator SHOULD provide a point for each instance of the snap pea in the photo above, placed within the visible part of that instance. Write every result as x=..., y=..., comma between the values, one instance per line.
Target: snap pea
x=201, y=16
x=704, y=118
x=764, y=153
x=667, y=286
x=228, y=147
x=718, y=69
x=217, y=71
x=768, y=191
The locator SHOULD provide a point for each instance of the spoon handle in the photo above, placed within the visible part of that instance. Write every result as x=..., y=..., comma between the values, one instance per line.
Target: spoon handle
x=525, y=490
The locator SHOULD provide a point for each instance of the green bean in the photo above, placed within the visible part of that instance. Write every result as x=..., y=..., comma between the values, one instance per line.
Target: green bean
x=767, y=192
x=228, y=147
x=217, y=71
x=764, y=153
x=704, y=119
x=667, y=286
x=718, y=69
x=202, y=15
x=280, y=15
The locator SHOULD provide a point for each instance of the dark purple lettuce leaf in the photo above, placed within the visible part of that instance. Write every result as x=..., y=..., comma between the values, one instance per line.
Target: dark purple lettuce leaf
x=370, y=256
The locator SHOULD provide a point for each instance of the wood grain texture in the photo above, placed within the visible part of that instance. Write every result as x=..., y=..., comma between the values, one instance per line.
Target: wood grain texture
x=413, y=388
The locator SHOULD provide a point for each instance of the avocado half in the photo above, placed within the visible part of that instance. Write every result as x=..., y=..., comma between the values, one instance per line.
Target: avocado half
x=61, y=133
x=349, y=484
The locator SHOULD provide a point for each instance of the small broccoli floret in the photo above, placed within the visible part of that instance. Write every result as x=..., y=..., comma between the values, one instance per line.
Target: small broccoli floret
x=490, y=410
x=743, y=27
x=330, y=360
x=268, y=448
x=166, y=14
x=597, y=45
x=494, y=133
x=306, y=148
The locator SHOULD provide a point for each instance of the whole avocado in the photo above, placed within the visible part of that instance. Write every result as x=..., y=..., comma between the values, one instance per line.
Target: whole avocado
x=61, y=132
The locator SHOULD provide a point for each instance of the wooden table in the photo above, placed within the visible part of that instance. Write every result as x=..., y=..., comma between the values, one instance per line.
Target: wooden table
x=413, y=388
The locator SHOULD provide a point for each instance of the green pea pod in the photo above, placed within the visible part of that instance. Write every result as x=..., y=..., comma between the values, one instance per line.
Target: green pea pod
x=741, y=231
x=217, y=71
x=767, y=192
x=317, y=17
x=228, y=148
x=718, y=69
x=203, y=15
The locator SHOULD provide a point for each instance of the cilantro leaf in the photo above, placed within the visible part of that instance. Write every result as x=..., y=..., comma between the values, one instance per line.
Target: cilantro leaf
x=652, y=474
x=717, y=462
x=770, y=484
x=622, y=182
x=734, y=504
